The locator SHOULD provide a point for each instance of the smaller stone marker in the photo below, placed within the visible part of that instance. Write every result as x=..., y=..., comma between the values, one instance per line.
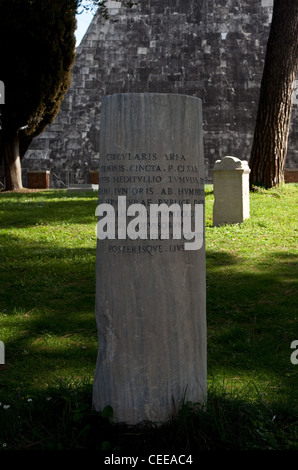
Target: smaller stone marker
x=231, y=191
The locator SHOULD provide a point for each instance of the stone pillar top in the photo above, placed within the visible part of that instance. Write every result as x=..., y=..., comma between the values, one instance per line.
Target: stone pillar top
x=231, y=163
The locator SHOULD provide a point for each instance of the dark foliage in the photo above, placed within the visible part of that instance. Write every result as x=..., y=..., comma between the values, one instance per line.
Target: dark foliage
x=37, y=46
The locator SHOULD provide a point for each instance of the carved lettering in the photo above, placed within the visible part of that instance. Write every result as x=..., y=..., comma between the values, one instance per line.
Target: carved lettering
x=139, y=175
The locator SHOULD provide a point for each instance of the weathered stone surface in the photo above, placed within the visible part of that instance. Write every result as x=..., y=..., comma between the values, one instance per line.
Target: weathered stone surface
x=211, y=49
x=150, y=293
x=231, y=191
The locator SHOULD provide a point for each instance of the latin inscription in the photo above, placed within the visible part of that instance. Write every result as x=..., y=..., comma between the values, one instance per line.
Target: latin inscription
x=149, y=178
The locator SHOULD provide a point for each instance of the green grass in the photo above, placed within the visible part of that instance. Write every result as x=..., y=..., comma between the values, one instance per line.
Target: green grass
x=47, y=279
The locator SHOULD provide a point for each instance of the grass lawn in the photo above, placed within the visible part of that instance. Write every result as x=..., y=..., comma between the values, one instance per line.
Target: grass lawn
x=47, y=323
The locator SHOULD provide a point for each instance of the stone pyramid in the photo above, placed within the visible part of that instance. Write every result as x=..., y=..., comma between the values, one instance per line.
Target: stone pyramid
x=212, y=49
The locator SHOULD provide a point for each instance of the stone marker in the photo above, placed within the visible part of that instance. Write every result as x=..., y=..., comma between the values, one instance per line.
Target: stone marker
x=231, y=191
x=150, y=292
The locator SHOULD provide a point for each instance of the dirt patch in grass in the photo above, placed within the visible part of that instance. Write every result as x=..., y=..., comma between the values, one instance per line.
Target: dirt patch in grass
x=23, y=190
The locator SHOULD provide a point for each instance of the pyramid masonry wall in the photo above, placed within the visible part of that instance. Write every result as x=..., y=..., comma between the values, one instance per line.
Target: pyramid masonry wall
x=210, y=49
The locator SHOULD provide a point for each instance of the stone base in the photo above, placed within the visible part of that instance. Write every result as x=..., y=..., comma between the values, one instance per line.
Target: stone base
x=38, y=179
x=291, y=175
x=82, y=187
x=93, y=177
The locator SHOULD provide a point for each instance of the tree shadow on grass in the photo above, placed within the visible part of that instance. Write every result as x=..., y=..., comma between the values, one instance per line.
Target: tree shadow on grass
x=47, y=315
x=252, y=319
x=48, y=300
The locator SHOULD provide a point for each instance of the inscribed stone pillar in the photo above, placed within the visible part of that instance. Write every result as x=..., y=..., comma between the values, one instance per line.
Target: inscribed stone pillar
x=150, y=289
x=231, y=191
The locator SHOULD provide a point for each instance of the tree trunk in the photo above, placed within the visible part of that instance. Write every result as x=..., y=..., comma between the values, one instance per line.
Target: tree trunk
x=270, y=141
x=12, y=162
